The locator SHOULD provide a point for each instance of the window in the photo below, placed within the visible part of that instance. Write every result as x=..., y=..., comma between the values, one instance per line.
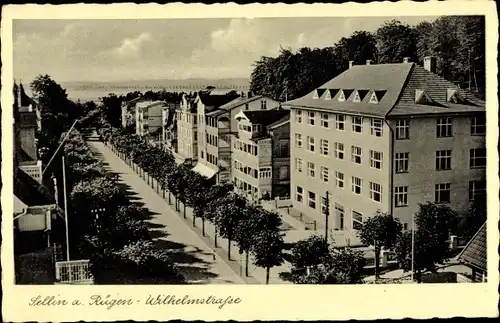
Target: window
x=263, y=105
x=357, y=220
x=195, y=135
x=298, y=140
x=443, y=127
x=246, y=106
x=340, y=122
x=376, y=127
x=402, y=162
x=401, y=195
x=283, y=148
x=311, y=169
x=356, y=183
x=443, y=159
x=443, y=193
x=477, y=190
x=376, y=192
x=356, y=154
x=265, y=172
x=310, y=117
x=312, y=199
x=478, y=126
x=339, y=212
x=202, y=155
x=402, y=129
x=298, y=116
x=284, y=173
x=375, y=159
x=357, y=124
x=339, y=179
x=324, y=174
x=477, y=158
x=324, y=147
x=339, y=150
x=310, y=144
x=324, y=120
x=299, y=195
x=256, y=128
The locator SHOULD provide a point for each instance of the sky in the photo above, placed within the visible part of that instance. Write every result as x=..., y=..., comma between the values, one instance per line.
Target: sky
x=120, y=50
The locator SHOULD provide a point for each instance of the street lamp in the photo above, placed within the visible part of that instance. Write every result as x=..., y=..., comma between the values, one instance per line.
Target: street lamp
x=412, y=245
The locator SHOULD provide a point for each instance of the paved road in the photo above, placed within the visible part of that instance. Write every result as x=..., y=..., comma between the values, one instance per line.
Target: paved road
x=194, y=257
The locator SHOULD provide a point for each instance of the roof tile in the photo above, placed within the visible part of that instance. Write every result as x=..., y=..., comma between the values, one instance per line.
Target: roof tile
x=474, y=252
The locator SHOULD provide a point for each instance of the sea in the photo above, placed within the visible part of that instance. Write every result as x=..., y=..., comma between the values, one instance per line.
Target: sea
x=89, y=94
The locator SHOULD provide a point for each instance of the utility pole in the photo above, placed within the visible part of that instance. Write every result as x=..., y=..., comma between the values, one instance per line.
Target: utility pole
x=469, y=68
x=327, y=213
x=65, y=209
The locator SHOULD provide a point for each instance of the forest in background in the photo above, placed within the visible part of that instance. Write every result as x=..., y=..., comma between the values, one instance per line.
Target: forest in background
x=457, y=42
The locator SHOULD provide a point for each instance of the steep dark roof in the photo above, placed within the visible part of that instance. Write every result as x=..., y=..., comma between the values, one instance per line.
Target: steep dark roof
x=29, y=191
x=266, y=117
x=394, y=87
x=474, y=253
x=25, y=99
x=215, y=100
x=24, y=156
x=280, y=121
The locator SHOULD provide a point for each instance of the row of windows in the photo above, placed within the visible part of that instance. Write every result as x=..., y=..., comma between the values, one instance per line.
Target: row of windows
x=246, y=187
x=186, y=117
x=376, y=125
x=247, y=128
x=212, y=159
x=212, y=139
x=246, y=169
x=357, y=218
x=477, y=159
x=442, y=192
x=188, y=133
x=249, y=148
x=444, y=127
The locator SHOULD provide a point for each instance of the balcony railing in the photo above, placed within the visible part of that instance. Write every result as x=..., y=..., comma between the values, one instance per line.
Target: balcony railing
x=73, y=272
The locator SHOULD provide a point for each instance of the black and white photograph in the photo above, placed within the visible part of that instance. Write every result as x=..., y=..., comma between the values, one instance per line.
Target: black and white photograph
x=342, y=150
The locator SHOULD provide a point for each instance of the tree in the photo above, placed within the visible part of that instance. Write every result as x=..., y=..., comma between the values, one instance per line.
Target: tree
x=310, y=253
x=395, y=41
x=229, y=214
x=268, y=250
x=112, y=106
x=473, y=219
x=380, y=231
x=213, y=198
x=359, y=48
x=434, y=223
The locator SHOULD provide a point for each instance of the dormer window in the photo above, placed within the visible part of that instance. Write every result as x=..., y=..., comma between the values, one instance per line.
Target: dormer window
x=328, y=95
x=256, y=128
x=318, y=93
x=453, y=96
x=341, y=96
x=373, y=98
x=421, y=97
x=356, y=97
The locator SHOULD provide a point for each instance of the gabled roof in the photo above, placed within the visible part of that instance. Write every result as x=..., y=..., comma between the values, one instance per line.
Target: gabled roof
x=214, y=101
x=265, y=117
x=474, y=253
x=394, y=86
x=239, y=102
x=29, y=191
x=279, y=122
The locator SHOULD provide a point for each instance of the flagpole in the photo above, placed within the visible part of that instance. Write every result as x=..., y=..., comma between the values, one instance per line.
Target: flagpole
x=65, y=209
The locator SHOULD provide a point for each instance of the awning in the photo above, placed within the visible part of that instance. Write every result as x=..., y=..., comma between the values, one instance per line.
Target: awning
x=204, y=170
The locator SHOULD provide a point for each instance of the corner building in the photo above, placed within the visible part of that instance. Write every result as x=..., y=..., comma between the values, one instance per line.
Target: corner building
x=386, y=137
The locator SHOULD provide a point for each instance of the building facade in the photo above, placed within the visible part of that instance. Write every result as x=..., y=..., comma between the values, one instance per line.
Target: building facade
x=187, y=129
x=386, y=137
x=149, y=116
x=169, y=126
x=261, y=154
x=217, y=128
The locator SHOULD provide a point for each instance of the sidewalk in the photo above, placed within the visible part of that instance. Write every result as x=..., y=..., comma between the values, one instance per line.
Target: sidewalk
x=257, y=275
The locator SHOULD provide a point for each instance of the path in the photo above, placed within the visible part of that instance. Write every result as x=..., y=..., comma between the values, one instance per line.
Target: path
x=194, y=256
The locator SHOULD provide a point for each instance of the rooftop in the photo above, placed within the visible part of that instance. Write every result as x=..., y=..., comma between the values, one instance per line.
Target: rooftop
x=29, y=191
x=387, y=90
x=214, y=101
x=266, y=117
x=474, y=253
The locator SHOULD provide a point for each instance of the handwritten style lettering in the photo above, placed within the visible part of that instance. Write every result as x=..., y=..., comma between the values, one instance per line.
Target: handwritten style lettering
x=109, y=302
x=187, y=300
x=47, y=301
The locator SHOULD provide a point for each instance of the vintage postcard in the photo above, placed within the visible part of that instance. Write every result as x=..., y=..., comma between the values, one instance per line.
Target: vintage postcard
x=249, y=162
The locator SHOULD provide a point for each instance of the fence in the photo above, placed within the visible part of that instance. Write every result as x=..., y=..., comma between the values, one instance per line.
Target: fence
x=73, y=272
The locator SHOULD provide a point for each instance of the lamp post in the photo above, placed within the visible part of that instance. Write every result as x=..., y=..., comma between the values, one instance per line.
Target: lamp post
x=65, y=209
x=412, y=245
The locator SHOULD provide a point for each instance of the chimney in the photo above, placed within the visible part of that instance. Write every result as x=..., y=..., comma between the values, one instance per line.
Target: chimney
x=351, y=63
x=249, y=94
x=407, y=60
x=242, y=94
x=368, y=62
x=430, y=63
